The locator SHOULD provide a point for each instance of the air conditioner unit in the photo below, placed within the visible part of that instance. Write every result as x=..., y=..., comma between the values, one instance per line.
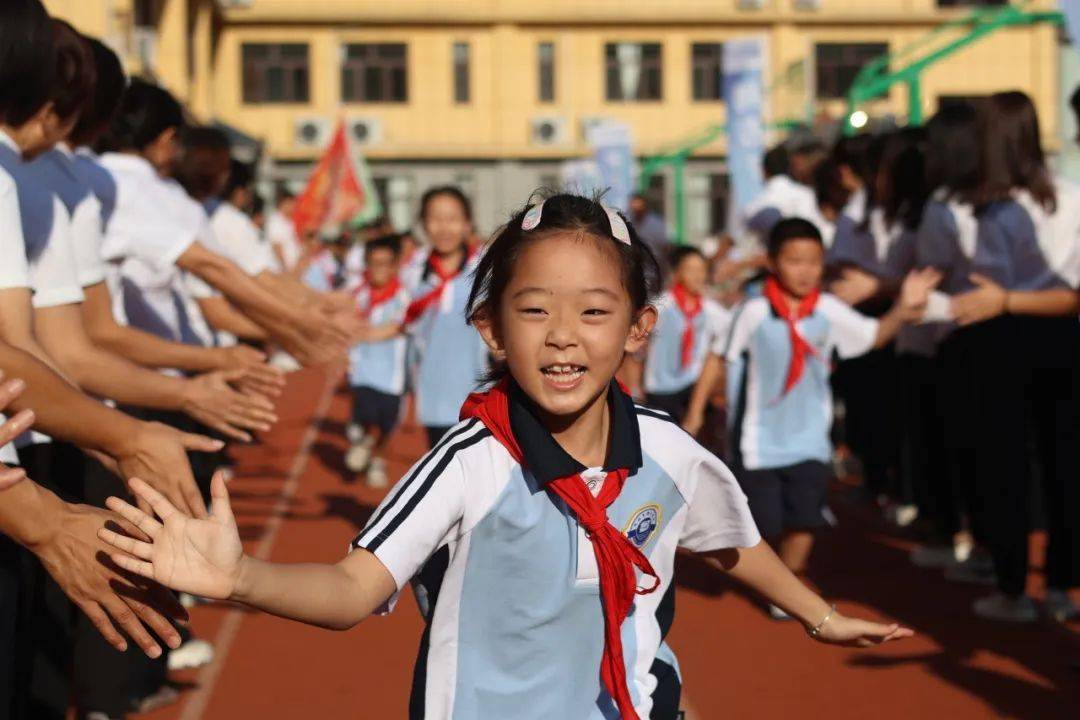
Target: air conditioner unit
x=311, y=132
x=807, y=4
x=750, y=4
x=547, y=131
x=365, y=132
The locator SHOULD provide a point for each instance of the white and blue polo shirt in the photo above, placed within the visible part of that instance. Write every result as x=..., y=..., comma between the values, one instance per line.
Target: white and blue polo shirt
x=381, y=365
x=664, y=371
x=507, y=581
x=772, y=429
x=451, y=356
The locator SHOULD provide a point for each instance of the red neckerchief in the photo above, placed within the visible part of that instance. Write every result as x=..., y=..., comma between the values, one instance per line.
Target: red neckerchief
x=419, y=305
x=616, y=556
x=799, y=347
x=689, y=305
x=376, y=296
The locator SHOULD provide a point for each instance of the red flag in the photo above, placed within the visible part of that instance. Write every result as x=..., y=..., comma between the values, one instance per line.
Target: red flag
x=334, y=193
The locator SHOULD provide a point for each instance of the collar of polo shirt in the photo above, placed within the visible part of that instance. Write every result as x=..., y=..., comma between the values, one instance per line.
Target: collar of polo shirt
x=547, y=460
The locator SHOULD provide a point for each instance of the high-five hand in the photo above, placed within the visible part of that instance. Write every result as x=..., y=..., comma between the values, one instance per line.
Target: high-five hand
x=199, y=556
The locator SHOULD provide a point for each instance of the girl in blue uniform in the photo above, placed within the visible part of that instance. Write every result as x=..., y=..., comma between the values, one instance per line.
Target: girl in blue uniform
x=542, y=521
x=449, y=355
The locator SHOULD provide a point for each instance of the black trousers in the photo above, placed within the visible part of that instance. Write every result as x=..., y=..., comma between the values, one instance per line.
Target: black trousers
x=1029, y=389
x=868, y=385
x=39, y=634
x=924, y=478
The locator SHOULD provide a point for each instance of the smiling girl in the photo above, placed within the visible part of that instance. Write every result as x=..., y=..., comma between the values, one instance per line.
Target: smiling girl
x=540, y=532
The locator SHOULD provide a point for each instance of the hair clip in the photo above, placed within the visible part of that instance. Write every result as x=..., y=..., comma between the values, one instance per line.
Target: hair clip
x=618, y=226
x=532, y=217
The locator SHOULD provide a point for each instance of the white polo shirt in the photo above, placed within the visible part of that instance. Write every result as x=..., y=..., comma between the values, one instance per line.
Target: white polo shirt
x=281, y=232
x=239, y=238
x=14, y=272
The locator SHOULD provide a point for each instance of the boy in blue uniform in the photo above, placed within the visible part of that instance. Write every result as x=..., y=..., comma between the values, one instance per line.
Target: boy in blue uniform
x=778, y=356
x=377, y=364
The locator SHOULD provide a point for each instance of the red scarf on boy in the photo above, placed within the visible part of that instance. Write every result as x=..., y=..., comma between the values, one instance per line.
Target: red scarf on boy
x=689, y=305
x=616, y=556
x=419, y=305
x=799, y=347
x=376, y=296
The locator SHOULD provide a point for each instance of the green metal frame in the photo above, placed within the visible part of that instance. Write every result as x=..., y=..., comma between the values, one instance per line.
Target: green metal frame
x=875, y=78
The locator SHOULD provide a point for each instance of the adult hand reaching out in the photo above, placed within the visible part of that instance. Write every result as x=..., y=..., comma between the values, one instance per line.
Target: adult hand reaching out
x=159, y=453
x=210, y=399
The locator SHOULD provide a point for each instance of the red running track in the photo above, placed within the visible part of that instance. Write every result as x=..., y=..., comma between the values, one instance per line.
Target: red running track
x=292, y=504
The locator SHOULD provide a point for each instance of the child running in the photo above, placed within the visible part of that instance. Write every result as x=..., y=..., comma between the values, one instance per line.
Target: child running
x=377, y=364
x=541, y=522
x=778, y=358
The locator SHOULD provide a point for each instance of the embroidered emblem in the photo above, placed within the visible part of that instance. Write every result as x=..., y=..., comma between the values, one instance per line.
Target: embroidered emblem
x=643, y=524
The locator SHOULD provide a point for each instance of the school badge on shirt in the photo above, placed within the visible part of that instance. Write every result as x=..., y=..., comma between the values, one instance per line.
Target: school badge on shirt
x=643, y=524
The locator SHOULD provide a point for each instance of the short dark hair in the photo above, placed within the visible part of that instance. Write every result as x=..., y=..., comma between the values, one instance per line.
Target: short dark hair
x=448, y=191
x=74, y=77
x=562, y=212
x=828, y=186
x=241, y=175
x=27, y=60
x=680, y=252
x=1074, y=101
x=790, y=229
x=1011, y=155
x=776, y=161
x=205, y=160
x=146, y=111
x=282, y=193
x=100, y=107
x=391, y=242
x=952, y=150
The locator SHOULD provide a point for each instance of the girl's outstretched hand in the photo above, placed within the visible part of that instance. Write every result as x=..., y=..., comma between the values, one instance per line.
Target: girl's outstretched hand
x=853, y=632
x=201, y=557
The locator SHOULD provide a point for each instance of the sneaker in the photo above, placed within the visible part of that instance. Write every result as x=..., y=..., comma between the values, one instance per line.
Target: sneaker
x=971, y=574
x=354, y=433
x=98, y=715
x=376, y=474
x=777, y=613
x=1002, y=607
x=963, y=548
x=829, y=516
x=284, y=362
x=903, y=515
x=358, y=457
x=162, y=697
x=193, y=654
x=1059, y=607
x=933, y=556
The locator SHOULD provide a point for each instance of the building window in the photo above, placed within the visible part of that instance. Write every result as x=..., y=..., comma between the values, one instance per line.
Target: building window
x=633, y=71
x=461, y=72
x=374, y=72
x=275, y=73
x=545, y=59
x=708, y=70
x=837, y=64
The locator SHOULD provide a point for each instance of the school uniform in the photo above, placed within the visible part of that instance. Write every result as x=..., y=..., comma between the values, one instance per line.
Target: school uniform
x=281, y=233
x=450, y=355
x=1027, y=374
x=507, y=580
x=14, y=272
x=238, y=237
x=675, y=356
x=377, y=370
x=328, y=273
x=45, y=616
x=781, y=439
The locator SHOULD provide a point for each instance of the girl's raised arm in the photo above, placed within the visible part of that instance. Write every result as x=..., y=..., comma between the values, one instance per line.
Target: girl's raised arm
x=206, y=558
x=760, y=568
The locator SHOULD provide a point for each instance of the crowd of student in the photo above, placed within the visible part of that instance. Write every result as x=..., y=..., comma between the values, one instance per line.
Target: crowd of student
x=925, y=277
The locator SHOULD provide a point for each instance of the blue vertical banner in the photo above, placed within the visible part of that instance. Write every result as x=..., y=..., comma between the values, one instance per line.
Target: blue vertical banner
x=613, y=153
x=744, y=99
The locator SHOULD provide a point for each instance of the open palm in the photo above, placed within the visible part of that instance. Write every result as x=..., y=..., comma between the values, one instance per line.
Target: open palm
x=198, y=556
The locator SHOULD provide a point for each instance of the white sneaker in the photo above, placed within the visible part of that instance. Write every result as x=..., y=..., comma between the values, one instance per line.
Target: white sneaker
x=933, y=556
x=193, y=654
x=358, y=457
x=904, y=515
x=1059, y=607
x=354, y=433
x=376, y=474
x=284, y=362
x=1002, y=607
x=777, y=613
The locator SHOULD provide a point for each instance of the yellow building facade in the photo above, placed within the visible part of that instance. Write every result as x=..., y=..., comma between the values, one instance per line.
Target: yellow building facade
x=494, y=94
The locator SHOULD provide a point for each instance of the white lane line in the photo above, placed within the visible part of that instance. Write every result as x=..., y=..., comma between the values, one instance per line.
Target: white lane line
x=204, y=690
